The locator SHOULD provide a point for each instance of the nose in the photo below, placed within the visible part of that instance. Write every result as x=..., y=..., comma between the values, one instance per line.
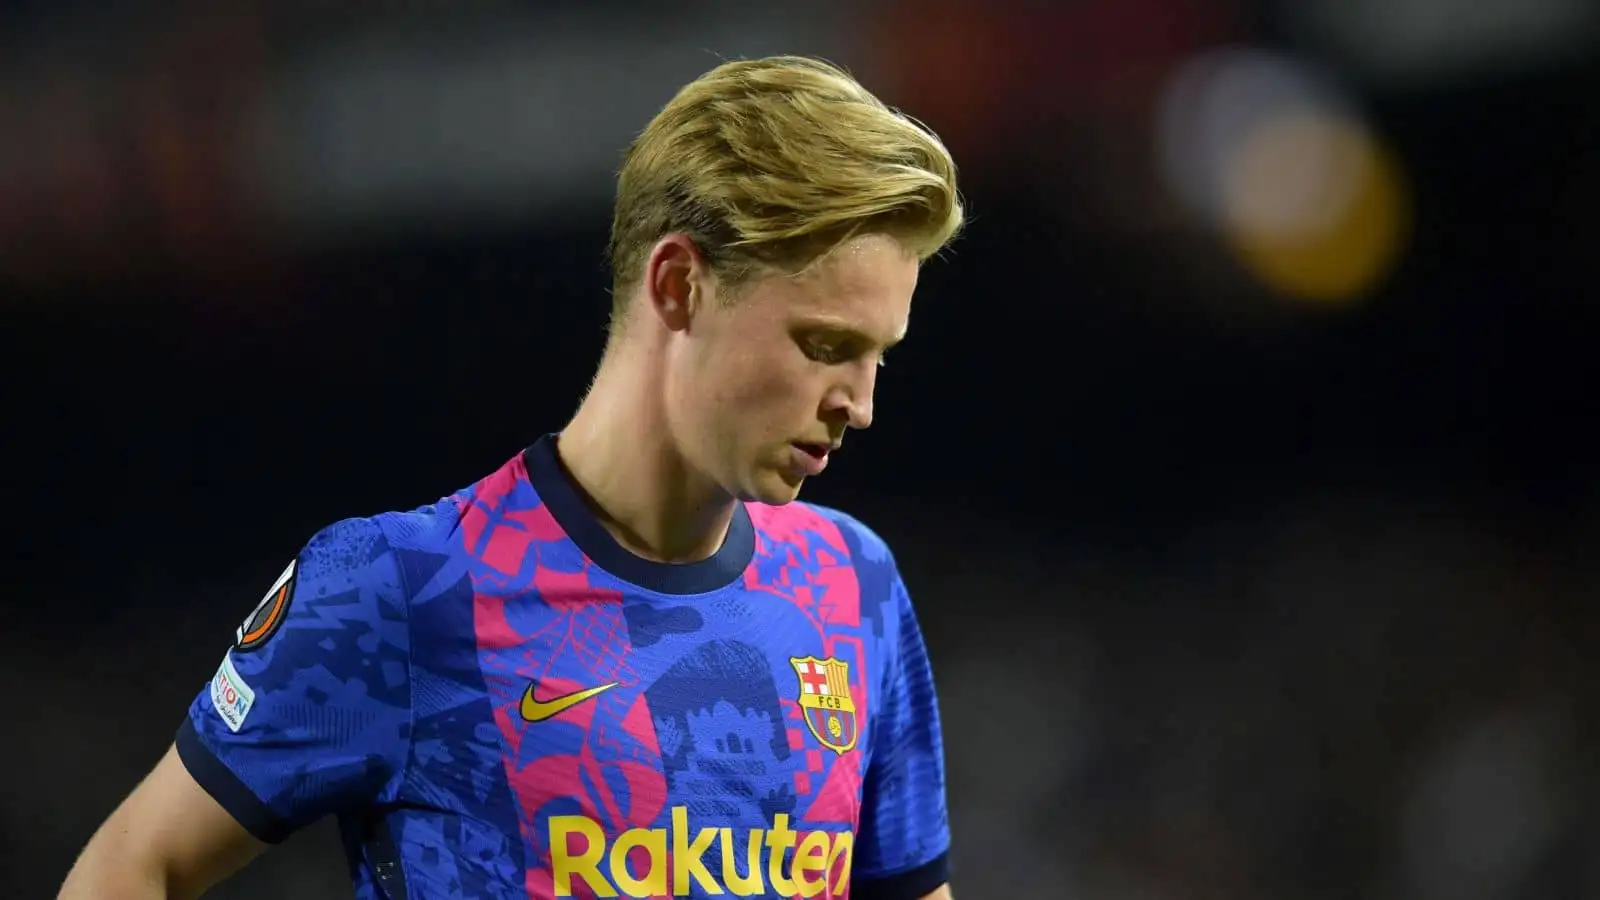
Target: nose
x=853, y=399
x=861, y=413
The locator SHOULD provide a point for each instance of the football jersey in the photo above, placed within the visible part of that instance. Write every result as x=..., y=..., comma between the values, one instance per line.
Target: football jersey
x=497, y=700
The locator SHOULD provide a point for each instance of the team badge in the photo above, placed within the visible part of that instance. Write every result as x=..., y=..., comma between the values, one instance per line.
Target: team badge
x=825, y=701
x=263, y=622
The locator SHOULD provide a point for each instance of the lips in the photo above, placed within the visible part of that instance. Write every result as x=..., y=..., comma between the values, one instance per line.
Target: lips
x=810, y=458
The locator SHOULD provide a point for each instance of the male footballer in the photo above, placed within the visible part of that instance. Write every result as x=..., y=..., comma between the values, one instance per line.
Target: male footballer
x=628, y=663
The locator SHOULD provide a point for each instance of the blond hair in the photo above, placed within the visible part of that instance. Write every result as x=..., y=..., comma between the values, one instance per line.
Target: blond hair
x=769, y=165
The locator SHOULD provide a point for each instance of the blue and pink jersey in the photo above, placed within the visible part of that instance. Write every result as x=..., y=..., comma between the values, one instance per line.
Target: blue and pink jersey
x=497, y=700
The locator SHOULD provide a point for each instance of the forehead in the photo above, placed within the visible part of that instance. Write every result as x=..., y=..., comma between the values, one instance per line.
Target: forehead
x=865, y=285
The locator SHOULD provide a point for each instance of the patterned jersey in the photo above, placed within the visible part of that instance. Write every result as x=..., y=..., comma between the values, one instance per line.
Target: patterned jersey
x=497, y=700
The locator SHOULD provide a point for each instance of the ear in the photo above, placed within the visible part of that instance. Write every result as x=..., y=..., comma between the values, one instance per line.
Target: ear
x=677, y=281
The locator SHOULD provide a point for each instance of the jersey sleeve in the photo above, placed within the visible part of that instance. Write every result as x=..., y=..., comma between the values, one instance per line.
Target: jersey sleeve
x=903, y=847
x=309, y=713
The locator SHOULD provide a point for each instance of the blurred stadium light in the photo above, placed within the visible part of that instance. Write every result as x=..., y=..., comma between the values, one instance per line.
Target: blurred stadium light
x=1284, y=165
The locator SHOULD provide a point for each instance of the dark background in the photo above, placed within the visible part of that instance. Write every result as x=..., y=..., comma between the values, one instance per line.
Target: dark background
x=1242, y=579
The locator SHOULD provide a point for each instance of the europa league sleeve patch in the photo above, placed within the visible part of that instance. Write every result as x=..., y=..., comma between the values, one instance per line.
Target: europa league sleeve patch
x=269, y=614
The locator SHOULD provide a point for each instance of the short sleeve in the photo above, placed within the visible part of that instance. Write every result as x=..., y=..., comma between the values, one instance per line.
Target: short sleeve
x=904, y=841
x=309, y=712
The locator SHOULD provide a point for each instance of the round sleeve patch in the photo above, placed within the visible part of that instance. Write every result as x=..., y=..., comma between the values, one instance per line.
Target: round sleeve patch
x=263, y=622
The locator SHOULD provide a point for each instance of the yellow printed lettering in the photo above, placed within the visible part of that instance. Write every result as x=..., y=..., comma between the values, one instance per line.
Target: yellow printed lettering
x=843, y=848
x=779, y=840
x=686, y=855
x=749, y=884
x=585, y=865
x=634, y=863
x=654, y=842
x=811, y=858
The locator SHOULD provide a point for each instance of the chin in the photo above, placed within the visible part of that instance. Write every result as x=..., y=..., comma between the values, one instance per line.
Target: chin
x=772, y=489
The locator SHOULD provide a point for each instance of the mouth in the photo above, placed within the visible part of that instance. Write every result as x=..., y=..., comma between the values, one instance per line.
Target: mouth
x=815, y=451
x=811, y=458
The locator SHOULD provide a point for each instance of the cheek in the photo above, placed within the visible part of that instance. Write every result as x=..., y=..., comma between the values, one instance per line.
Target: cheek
x=767, y=390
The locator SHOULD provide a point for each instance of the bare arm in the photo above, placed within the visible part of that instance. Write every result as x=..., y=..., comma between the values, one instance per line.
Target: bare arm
x=167, y=841
x=942, y=893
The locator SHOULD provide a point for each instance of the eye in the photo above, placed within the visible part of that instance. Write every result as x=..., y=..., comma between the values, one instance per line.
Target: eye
x=824, y=352
x=832, y=348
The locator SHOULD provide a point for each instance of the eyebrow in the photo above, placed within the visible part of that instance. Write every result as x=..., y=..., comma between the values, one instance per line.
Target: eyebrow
x=843, y=328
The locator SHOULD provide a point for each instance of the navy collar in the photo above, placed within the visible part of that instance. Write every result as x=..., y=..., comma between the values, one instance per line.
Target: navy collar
x=571, y=511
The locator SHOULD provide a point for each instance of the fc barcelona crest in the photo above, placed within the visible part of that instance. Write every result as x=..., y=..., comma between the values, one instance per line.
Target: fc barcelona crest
x=825, y=701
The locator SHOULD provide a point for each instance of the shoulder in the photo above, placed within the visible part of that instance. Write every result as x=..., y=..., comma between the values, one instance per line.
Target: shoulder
x=793, y=522
x=867, y=547
x=811, y=527
x=373, y=552
x=349, y=545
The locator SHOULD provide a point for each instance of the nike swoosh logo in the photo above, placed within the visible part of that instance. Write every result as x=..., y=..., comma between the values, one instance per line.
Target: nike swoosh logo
x=536, y=710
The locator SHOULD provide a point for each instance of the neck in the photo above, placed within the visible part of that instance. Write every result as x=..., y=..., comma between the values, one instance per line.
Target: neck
x=619, y=451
